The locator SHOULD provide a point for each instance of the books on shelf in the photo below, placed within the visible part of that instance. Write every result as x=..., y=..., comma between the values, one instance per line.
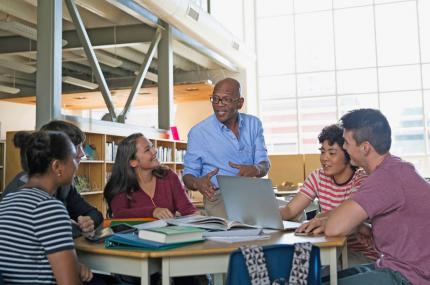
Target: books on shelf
x=208, y=222
x=114, y=151
x=164, y=154
x=90, y=152
x=111, y=148
x=172, y=234
x=179, y=155
x=109, y=151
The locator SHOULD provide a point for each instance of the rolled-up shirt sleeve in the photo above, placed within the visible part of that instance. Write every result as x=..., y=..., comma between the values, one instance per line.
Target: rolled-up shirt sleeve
x=193, y=163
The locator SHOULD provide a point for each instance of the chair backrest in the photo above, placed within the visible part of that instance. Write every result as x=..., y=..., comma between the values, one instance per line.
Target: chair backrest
x=278, y=261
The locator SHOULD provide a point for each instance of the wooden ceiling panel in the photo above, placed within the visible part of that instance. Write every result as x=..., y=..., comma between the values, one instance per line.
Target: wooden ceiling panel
x=147, y=97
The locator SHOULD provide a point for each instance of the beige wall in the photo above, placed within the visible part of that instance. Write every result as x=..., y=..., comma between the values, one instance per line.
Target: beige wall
x=16, y=117
x=190, y=113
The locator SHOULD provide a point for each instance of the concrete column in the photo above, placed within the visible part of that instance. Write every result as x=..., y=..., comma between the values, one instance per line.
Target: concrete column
x=49, y=57
x=165, y=78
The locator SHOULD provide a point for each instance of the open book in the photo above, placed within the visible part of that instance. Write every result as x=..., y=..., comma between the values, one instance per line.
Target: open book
x=208, y=222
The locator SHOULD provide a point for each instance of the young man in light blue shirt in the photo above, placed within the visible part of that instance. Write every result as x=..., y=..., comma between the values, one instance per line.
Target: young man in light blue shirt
x=226, y=143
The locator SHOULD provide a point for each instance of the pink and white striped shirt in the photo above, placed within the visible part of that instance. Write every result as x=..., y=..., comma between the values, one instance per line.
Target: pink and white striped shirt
x=330, y=195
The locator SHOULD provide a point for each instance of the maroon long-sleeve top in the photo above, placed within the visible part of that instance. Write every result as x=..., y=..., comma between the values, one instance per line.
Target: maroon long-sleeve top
x=169, y=194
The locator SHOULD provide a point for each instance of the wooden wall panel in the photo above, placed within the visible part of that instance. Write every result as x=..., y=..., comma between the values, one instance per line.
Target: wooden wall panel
x=312, y=162
x=286, y=168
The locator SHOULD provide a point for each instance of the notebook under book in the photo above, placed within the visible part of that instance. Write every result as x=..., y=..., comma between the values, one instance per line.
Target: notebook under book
x=252, y=201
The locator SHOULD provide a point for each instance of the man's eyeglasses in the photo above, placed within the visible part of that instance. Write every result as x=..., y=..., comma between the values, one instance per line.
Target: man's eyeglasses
x=225, y=100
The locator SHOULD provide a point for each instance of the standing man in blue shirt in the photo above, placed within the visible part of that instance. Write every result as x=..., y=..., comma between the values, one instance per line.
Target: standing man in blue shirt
x=226, y=143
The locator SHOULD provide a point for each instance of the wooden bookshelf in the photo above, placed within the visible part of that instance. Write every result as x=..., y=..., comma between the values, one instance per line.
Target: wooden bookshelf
x=97, y=167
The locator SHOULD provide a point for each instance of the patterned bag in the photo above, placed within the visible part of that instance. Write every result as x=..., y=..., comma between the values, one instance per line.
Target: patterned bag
x=255, y=265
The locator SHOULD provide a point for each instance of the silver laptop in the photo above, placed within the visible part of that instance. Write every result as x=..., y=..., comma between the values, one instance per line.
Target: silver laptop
x=251, y=201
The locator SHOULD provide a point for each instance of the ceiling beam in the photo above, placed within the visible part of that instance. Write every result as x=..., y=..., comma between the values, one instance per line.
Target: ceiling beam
x=178, y=61
x=19, y=9
x=89, y=51
x=130, y=54
x=99, y=37
x=17, y=81
x=193, y=55
x=104, y=10
x=143, y=14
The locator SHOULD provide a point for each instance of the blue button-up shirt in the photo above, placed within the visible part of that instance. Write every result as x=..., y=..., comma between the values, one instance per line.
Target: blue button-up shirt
x=212, y=145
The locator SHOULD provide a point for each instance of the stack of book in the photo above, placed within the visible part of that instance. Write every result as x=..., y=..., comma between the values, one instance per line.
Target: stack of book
x=180, y=231
x=156, y=238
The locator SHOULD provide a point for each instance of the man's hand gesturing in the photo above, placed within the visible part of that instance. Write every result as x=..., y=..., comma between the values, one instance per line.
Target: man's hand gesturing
x=245, y=170
x=203, y=184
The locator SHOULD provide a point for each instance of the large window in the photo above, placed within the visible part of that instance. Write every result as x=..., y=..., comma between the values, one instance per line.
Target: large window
x=318, y=59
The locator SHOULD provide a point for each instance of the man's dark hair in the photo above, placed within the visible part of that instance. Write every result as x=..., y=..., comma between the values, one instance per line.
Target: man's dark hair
x=20, y=140
x=73, y=132
x=369, y=125
x=41, y=148
x=333, y=134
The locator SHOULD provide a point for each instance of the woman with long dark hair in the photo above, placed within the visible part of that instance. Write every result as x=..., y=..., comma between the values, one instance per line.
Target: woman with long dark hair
x=35, y=228
x=140, y=187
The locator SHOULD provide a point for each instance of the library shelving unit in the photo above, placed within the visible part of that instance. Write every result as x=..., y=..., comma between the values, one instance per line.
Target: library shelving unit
x=95, y=170
x=2, y=164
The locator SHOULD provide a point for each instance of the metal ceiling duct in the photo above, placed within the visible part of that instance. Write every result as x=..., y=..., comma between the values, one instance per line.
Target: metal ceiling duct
x=198, y=24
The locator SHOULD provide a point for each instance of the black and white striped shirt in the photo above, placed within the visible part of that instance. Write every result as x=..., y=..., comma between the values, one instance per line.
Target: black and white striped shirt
x=32, y=225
